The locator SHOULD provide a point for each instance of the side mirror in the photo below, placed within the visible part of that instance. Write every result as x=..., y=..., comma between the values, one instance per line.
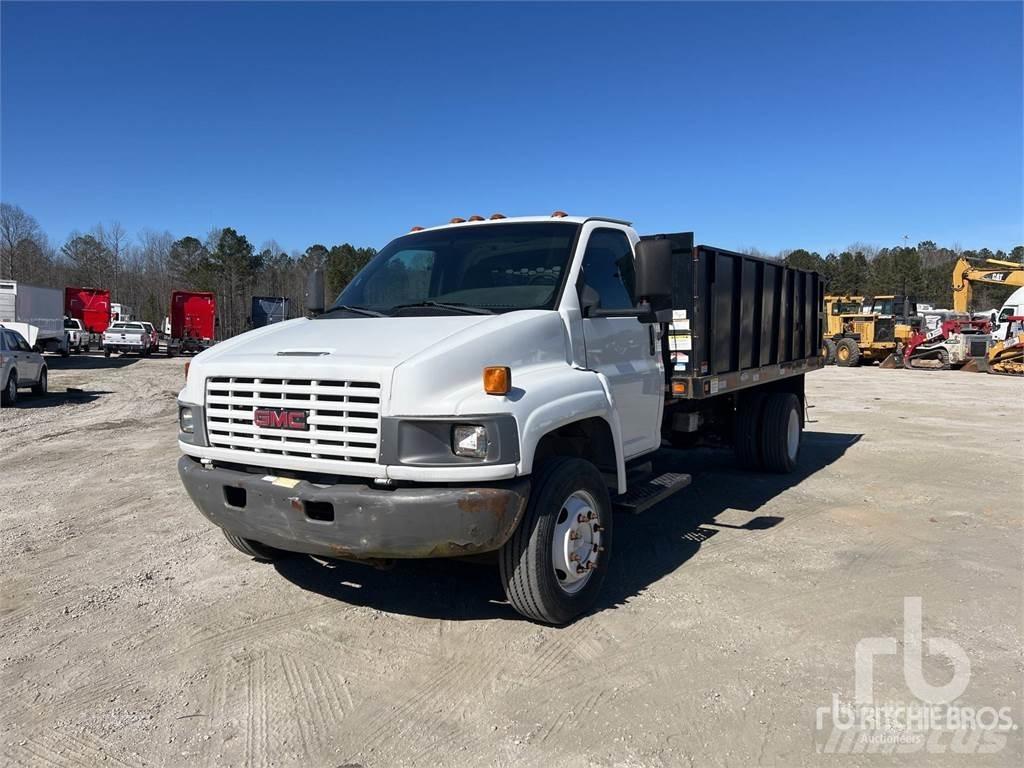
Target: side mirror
x=314, y=296
x=654, y=269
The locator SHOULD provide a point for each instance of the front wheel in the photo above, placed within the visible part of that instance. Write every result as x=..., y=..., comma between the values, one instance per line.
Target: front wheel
x=253, y=549
x=106, y=353
x=10, y=394
x=40, y=387
x=847, y=353
x=553, y=566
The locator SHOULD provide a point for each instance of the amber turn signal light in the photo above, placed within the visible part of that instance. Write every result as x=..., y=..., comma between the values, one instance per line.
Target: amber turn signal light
x=678, y=387
x=187, y=364
x=497, y=380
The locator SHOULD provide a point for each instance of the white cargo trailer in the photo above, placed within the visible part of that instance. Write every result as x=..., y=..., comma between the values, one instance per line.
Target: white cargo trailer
x=36, y=313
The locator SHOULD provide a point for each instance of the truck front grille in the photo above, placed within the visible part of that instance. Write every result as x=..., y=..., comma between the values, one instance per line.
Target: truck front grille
x=343, y=417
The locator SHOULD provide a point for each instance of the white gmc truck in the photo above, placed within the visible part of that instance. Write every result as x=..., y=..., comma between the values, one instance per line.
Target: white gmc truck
x=498, y=386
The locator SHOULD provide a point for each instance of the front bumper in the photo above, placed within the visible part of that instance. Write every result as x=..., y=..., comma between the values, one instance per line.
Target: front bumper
x=356, y=521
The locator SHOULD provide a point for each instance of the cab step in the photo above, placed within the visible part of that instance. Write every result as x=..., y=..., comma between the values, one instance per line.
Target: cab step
x=644, y=495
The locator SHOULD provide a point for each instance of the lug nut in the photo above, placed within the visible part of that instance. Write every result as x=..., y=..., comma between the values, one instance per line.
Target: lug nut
x=573, y=535
x=573, y=557
x=598, y=548
x=598, y=528
x=581, y=519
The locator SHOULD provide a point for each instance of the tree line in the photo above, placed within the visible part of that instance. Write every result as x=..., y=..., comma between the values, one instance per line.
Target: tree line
x=922, y=272
x=142, y=271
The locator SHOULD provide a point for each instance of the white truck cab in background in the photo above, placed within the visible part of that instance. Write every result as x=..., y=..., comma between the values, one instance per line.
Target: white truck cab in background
x=489, y=386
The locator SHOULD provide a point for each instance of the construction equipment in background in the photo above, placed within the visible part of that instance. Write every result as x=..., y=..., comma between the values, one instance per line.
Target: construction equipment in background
x=1006, y=356
x=992, y=272
x=854, y=336
x=958, y=341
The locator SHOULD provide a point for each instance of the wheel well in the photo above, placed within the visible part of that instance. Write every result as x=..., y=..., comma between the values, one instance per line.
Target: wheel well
x=589, y=439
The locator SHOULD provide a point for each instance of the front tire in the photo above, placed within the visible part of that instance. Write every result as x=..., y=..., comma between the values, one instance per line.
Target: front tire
x=554, y=565
x=10, y=394
x=847, y=353
x=254, y=549
x=40, y=387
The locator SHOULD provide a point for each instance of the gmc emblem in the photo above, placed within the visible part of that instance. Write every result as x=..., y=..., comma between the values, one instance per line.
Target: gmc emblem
x=276, y=418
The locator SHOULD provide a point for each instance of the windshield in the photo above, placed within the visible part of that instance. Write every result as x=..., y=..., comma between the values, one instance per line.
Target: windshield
x=71, y=324
x=126, y=327
x=497, y=267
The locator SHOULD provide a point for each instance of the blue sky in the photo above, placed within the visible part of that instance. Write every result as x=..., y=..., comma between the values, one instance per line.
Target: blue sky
x=770, y=125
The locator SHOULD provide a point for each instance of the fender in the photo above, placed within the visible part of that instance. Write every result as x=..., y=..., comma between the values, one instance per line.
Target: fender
x=569, y=408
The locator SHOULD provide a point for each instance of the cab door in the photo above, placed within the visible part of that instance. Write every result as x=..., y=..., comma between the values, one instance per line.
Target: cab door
x=623, y=349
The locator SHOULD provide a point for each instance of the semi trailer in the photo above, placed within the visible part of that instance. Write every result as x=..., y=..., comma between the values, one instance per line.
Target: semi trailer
x=91, y=307
x=267, y=310
x=36, y=313
x=499, y=387
x=193, y=322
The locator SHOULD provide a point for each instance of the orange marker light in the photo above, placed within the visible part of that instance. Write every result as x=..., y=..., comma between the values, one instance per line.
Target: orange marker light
x=457, y=220
x=187, y=364
x=497, y=380
x=416, y=229
x=495, y=216
x=559, y=215
x=476, y=217
x=678, y=387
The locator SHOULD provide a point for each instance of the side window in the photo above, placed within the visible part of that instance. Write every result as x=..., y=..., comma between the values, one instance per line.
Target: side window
x=608, y=268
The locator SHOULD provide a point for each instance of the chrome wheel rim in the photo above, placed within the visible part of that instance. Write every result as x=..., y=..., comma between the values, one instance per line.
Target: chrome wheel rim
x=576, y=543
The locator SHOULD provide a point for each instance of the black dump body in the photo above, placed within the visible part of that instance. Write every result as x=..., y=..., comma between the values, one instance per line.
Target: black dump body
x=268, y=309
x=752, y=320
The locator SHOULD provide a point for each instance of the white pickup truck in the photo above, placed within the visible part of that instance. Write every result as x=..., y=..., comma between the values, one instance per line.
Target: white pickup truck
x=498, y=386
x=125, y=337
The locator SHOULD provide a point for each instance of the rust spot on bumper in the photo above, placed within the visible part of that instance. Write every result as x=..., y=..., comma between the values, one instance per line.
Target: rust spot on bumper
x=487, y=500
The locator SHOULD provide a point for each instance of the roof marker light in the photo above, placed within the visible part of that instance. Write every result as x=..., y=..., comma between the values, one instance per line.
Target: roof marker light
x=559, y=215
x=457, y=220
x=416, y=229
x=495, y=216
x=476, y=217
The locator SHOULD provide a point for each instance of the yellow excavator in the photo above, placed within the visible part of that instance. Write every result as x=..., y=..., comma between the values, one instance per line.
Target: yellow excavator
x=992, y=272
x=1006, y=356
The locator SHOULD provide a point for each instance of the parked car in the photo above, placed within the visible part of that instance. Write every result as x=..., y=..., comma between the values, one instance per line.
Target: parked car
x=154, y=336
x=78, y=337
x=19, y=367
x=124, y=337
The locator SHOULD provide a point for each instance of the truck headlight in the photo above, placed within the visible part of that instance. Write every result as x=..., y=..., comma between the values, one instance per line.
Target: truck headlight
x=469, y=440
x=185, y=420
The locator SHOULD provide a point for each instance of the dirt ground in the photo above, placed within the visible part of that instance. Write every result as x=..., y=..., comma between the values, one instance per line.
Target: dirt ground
x=131, y=633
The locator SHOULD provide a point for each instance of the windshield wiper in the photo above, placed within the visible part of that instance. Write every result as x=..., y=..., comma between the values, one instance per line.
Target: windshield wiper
x=354, y=310
x=467, y=309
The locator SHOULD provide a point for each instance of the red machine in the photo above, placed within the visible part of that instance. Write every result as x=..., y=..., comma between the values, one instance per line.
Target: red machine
x=90, y=305
x=193, y=321
x=954, y=343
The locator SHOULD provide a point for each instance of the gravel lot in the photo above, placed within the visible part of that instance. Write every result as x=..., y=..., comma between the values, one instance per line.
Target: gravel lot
x=131, y=633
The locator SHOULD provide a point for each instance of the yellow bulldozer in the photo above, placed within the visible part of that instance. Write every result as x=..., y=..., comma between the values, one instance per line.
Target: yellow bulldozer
x=859, y=331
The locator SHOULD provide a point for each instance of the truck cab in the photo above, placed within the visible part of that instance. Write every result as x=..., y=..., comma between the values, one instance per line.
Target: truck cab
x=483, y=386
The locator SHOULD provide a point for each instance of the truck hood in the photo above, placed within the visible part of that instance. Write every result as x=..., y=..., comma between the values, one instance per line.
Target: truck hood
x=444, y=353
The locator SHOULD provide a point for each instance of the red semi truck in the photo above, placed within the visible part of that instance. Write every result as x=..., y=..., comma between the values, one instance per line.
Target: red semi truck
x=193, y=320
x=90, y=306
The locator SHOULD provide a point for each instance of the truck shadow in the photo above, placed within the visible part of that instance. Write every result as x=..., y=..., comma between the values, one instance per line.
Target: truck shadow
x=88, y=362
x=647, y=546
x=52, y=399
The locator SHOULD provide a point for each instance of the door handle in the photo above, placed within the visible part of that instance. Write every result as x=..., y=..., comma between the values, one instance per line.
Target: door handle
x=650, y=329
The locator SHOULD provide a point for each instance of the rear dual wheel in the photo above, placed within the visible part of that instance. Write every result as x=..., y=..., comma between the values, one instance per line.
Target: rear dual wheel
x=768, y=432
